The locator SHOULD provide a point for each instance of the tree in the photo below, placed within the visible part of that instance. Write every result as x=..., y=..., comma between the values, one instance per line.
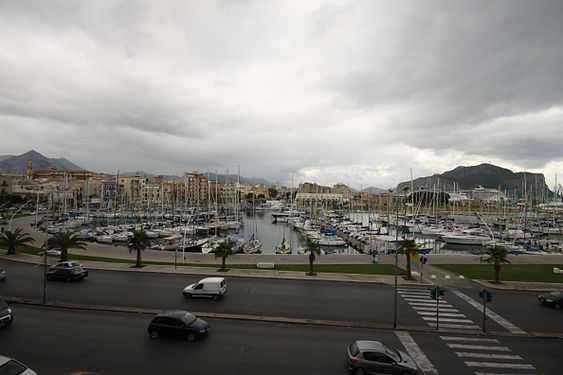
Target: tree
x=64, y=241
x=13, y=239
x=272, y=192
x=224, y=249
x=313, y=248
x=138, y=242
x=497, y=255
x=409, y=248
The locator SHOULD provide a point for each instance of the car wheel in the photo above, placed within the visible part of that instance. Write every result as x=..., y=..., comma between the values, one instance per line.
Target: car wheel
x=215, y=297
x=190, y=337
x=154, y=335
x=359, y=371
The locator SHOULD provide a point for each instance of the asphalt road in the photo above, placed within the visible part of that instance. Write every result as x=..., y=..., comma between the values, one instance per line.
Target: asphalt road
x=59, y=341
x=357, y=302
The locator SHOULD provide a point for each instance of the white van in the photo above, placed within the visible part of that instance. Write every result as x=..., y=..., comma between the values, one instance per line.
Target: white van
x=213, y=287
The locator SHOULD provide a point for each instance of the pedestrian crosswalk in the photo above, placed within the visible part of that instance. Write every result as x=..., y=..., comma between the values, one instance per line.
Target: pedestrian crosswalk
x=484, y=356
x=450, y=317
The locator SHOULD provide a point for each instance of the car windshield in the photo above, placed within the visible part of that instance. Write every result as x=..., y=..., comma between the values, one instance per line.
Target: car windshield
x=3, y=303
x=188, y=318
x=12, y=368
x=393, y=354
x=354, y=349
x=557, y=293
x=76, y=270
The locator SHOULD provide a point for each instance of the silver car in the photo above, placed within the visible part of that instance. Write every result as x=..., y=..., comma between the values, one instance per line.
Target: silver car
x=374, y=357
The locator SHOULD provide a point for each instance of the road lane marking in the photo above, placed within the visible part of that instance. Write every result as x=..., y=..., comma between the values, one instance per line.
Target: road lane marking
x=444, y=314
x=454, y=326
x=447, y=320
x=478, y=347
x=491, y=314
x=416, y=353
x=457, y=338
x=429, y=304
x=488, y=356
x=429, y=308
x=500, y=365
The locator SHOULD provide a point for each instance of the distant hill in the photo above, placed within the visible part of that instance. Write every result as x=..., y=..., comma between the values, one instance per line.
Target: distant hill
x=485, y=175
x=375, y=190
x=18, y=163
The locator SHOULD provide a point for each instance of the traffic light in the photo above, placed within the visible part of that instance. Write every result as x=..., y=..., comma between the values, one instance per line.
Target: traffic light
x=486, y=295
x=436, y=292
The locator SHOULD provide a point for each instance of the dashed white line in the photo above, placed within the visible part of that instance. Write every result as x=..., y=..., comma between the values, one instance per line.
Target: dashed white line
x=501, y=365
x=442, y=314
x=488, y=356
x=491, y=314
x=457, y=338
x=478, y=347
x=454, y=326
x=429, y=308
x=447, y=320
x=416, y=353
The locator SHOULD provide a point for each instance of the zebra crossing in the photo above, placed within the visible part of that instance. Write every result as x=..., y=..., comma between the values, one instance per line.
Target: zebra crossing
x=450, y=317
x=484, y=356
x=487, y=354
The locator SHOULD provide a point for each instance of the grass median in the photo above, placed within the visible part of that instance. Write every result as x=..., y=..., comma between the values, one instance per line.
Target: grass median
x=508, y=272
x=362, y=269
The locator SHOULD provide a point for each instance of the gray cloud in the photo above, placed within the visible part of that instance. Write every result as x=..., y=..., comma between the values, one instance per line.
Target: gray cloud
x=358, y=92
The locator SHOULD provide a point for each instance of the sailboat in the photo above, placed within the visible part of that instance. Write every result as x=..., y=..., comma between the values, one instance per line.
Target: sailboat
x=283, y=248
x=252, y=246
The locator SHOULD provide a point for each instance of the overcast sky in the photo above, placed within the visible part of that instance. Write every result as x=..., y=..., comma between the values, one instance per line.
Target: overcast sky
x=354, y=92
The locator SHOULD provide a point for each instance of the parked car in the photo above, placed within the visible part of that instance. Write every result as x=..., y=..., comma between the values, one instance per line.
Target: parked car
x=2, y=274
x=553, y=299
x=6, y=314
x=10, y=366
x=66, y=273
x=374, y=357
x=213, y=287
x=178, y=324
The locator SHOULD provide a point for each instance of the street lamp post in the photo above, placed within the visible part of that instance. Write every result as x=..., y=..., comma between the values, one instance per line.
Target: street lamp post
x=15, y=213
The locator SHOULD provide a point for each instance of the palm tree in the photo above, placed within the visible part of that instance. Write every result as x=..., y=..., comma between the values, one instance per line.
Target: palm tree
x=313, y=248
x=138, y=242
x=13, y=239
x=409, y=248
x=64, y=241
x=224, y=249
x=497, y=255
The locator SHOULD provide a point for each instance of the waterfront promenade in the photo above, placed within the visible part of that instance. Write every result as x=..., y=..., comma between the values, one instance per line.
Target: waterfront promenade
x=192, y=259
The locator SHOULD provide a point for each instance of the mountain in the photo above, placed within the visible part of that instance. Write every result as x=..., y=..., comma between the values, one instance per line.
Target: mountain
x=18, y=163
x=485, y=175
x=4, y=157
x=375, y=190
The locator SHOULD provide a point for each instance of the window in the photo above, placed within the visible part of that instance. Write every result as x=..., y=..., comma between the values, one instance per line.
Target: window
x=354, y=349
x=12, y=368
x=198, y=286
x=377, y=357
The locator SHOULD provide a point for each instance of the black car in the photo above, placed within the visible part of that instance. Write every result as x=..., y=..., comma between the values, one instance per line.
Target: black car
x=6, y=314
x=178, y=324
x=67, y=274
x=2, y=274
x=553, y=299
